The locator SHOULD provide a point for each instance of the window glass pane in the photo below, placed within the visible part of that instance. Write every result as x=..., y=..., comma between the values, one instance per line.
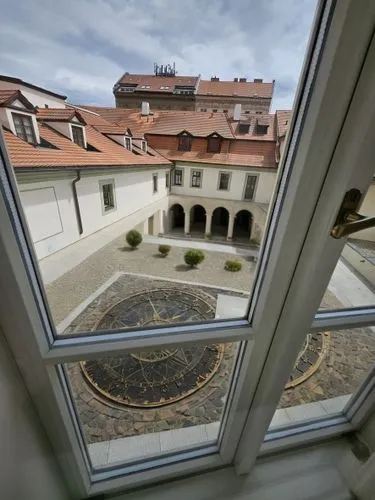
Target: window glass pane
x=330, y=368
x=142, y=404
x=221, y=190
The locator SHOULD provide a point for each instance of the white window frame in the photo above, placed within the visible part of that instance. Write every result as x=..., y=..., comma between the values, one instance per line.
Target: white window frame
x=196, y=170
x=255, y=188
x=182, y=177
x=109, y=209
x=219, y=180
x=83, y=129
x=128, y=140
x=291, y=253
x=155, y=185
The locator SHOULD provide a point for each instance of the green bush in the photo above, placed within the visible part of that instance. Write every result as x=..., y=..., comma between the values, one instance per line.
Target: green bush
x=233, y=266
x=134, y=238
x=193, y=257
x=164, y=250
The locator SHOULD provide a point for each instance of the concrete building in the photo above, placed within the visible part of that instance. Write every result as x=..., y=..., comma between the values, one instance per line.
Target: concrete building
x=167, y=90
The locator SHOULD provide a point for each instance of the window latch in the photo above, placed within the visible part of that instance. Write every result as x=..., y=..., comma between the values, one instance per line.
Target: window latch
x=348, y=220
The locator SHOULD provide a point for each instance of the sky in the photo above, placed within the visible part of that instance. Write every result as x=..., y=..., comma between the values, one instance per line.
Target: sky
x=80, y=48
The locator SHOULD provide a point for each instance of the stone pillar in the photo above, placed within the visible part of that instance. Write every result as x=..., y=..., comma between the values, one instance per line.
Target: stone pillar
x=207, y=231
x=145, y=226
x=187, y=222
x=232, y=218
x=161, y=221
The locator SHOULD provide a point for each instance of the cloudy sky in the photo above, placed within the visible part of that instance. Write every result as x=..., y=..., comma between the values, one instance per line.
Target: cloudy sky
x=81, y=47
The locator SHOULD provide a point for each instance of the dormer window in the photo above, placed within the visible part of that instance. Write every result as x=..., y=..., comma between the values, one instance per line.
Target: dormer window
x=128, y=143
x=214, y=144
x=185, y=141
x=78, y=137
x=23, y=125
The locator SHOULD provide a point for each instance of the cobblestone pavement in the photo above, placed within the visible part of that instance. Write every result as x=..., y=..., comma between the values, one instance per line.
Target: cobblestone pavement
x=68, y=291
x=103, y=419
x=345, y=364
x=348, y=357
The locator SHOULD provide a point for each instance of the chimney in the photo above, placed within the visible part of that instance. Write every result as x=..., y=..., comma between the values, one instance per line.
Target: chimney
x=243, y=80
x=215, y=79
x=145, y=108
x=235, y=79
x=237, y=112
x=258, y=80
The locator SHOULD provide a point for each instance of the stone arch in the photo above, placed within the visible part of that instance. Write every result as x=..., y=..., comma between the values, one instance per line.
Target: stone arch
x=197, y=219
x=176, y=218
x=219, y=222
x=243, y=226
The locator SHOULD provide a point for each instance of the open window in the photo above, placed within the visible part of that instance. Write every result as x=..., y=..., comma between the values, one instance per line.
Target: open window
x=140, y=346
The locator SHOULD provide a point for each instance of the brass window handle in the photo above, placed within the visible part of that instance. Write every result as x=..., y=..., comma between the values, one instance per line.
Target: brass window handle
x=348, y=221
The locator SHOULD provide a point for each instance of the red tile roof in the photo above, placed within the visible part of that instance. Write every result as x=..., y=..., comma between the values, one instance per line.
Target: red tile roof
x=283, y=121
x=239, y=160
x=240, y=89
x=8, y=96
x=167, y=122
x=253, y=135
x=58, y=115
x=70, y=154
x=155, y=82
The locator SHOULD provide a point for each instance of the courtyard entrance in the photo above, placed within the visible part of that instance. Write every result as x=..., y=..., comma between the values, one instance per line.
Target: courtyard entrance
x=197, y=220
x=242, y=226
x=176, y=219
x=220, y=221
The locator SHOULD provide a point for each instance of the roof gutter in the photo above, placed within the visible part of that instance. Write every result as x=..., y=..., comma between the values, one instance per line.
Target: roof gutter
x=76, y=202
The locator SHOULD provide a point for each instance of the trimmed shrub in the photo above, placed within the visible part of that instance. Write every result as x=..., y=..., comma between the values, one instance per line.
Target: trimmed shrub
x=133, y=238
x=193, y=257
x=164, y=250
x=233, y=266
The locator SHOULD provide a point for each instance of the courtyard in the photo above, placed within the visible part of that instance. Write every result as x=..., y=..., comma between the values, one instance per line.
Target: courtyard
x=116, y=287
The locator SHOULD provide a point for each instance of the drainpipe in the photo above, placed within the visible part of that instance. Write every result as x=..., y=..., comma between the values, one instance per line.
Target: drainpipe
x=76, y=202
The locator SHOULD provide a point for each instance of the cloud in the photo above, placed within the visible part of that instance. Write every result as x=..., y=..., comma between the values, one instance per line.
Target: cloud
x=81, y=47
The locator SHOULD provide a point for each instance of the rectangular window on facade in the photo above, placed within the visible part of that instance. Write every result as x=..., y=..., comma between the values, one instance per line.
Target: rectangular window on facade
x=154, y=183
x=196, y=178
x=214, y=145
x=24, y=127
x=108, y=195
x=251, y=182
x=78, y=138
x=185, y=143
x=178, y=173
x=128, y=143
x=167, y=180
x=224, y=178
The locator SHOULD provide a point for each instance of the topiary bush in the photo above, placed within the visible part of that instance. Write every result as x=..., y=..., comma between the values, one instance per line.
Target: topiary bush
x=193, y=257
x=233, y=266
x=164, y=250
x=133, y=238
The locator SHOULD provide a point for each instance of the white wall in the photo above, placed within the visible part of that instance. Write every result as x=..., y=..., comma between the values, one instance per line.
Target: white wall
x=133, y=191
x=28, y=467
x=210, y=182
x=43, y=215
x=36, y=97
x=50, y=212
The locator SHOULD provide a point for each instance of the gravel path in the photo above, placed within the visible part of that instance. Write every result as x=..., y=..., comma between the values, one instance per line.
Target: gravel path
x=68, y=291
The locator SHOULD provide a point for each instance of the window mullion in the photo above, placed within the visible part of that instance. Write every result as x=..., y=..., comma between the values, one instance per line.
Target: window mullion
x=92, y=346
